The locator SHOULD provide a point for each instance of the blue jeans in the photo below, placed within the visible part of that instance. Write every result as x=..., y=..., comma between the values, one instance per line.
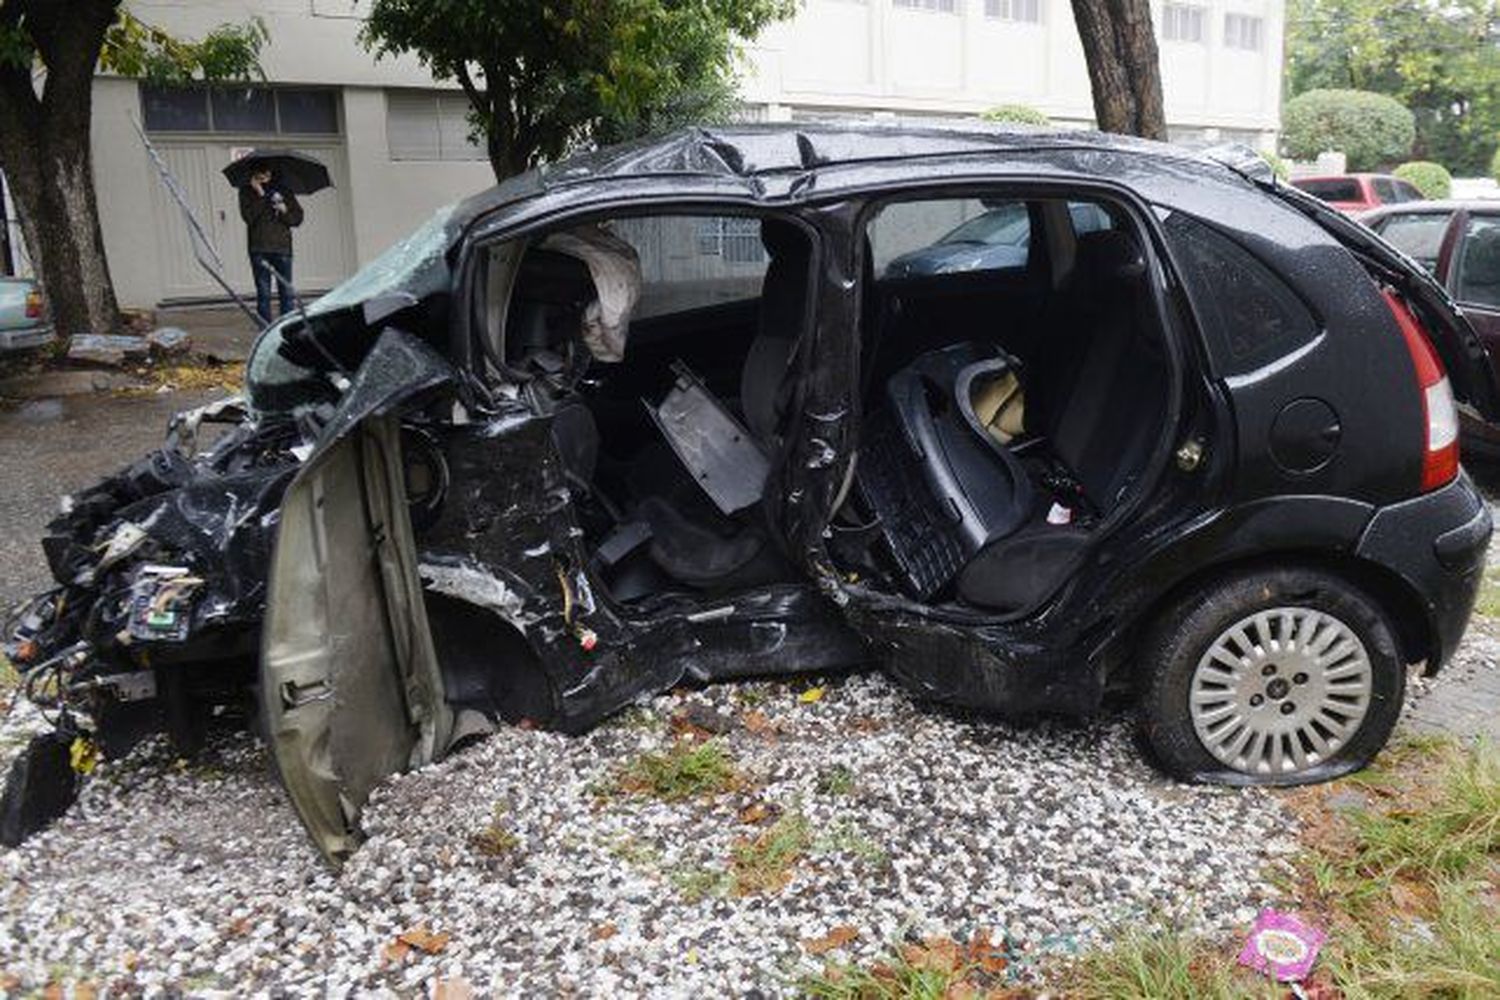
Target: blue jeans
x=282, y=262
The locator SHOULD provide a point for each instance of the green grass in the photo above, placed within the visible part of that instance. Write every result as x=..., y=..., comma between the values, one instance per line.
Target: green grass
x=836, y=780
x=495, y=839
x=764, y=863
x=1408, y=890
x=1488, y=603
x=893, y=979
x=684, y=771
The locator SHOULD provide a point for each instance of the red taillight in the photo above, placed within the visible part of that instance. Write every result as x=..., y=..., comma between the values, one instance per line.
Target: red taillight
x=33, y=304
x=1440, y=459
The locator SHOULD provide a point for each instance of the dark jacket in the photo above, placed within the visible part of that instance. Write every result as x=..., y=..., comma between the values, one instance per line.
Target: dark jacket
x=269, y=232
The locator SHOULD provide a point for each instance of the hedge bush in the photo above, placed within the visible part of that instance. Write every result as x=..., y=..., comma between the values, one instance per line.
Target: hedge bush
x=1369, y=129
x=1432, y=179
x=1278, y=166
x=1019, y=114
x=1495, y=165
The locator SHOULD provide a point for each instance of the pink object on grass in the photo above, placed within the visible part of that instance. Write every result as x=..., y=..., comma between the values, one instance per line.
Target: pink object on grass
x=1282, y=945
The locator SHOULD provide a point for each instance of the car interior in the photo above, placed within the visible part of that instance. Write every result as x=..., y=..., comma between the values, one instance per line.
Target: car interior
x=1012, y=401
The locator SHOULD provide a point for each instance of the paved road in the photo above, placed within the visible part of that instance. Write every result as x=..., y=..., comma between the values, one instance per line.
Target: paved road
x=52, y=447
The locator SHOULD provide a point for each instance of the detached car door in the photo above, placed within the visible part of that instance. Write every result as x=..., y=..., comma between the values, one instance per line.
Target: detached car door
x=350, y=686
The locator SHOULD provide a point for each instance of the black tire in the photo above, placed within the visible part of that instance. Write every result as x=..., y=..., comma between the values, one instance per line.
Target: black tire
x=1184, y=632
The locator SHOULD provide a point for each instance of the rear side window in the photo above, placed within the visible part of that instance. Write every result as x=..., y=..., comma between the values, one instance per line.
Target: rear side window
x=1479, y=263
x=1248, y=315
x=1385, y=191
x=950, y=235
x=1419, y=235
x=1334, y=189
x=1407, y=192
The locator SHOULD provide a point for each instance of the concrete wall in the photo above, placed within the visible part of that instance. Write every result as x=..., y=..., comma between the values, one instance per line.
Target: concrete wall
x=875, y=57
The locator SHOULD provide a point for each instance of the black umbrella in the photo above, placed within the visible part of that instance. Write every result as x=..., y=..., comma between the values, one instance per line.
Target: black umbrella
x=294, y=171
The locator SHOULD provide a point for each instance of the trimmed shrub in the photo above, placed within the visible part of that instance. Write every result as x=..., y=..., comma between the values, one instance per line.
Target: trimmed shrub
x=1369, y=129
x=1495, y=165
x=1278, y=165
x=1019, y=114
x=1432, y=179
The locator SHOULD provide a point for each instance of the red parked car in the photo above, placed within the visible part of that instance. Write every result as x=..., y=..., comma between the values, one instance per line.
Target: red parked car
x=1459, y=242
x=1355, y=193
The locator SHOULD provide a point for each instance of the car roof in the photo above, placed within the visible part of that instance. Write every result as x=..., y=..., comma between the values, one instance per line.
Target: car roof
x=750, y=153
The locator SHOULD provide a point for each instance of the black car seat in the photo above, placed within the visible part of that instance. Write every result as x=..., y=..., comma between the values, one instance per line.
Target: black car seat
x=692, y=541
x=764, y=385
x=1096, y=395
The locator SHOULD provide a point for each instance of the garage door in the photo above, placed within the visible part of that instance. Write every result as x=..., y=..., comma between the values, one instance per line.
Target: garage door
x=323, y=248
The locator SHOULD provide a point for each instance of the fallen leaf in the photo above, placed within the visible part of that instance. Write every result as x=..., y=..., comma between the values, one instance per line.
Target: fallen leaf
x=425, y=940
x=84, y=991
x=934, y=954
x=452, y=989
x=811, y=695
x=53, y=991
x=836, y=937
x=605, y=931
x=395, y=952
x=757, y=722
x=238, y=928
x=758, y=811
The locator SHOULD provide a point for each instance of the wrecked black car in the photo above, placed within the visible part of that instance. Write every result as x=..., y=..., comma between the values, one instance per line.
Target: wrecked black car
x=667, y=412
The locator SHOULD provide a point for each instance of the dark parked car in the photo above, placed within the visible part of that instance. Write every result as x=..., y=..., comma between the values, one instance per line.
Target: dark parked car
x=1459, y=242
x=1355, y=193
x=652, y=416
x=997, y=238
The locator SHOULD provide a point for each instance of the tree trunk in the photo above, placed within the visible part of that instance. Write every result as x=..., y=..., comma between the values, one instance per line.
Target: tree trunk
x=45, y=153
x=1119, y=47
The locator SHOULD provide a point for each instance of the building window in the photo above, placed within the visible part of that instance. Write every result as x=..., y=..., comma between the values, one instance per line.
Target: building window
x=264, y=110
x=429, y=125
x=936, y=6
x=1027, y=11
x=1241, y=31
x=1182, y=22
x=734, y=238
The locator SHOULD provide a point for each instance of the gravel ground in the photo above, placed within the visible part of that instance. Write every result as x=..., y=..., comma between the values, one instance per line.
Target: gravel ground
x=197, y=877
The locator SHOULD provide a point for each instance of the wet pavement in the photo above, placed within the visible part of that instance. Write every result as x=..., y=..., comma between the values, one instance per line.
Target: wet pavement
x=52, y=447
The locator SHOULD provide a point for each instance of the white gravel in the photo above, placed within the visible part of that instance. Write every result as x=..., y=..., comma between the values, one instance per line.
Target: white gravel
x=197, y=877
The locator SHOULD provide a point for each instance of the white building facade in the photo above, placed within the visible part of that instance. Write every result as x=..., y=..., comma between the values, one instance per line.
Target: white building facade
x=397, y=146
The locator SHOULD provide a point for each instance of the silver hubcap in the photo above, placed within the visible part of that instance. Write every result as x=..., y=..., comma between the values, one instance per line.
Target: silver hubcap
x=1280, y=690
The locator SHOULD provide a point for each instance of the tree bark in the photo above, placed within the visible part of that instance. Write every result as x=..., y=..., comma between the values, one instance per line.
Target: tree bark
x=45, y=153
x=1119, y=47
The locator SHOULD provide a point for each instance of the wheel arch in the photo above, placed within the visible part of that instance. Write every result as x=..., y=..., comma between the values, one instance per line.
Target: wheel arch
x=1397, y=600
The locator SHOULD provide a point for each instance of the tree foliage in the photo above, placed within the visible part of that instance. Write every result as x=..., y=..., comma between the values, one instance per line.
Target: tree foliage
x=1432, y=179
x=544, y=78
x=1372, y=130
x=49, y=52
x=1438, y=58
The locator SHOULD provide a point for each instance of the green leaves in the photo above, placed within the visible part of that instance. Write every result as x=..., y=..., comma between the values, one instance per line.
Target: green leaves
x=543, y=78
x=229, y=52
x=1439, y=60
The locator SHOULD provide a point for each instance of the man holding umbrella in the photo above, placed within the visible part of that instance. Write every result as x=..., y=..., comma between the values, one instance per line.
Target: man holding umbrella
x=269, y=182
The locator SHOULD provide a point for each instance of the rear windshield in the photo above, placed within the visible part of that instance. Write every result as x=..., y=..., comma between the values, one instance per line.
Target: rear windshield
x=1333, y=189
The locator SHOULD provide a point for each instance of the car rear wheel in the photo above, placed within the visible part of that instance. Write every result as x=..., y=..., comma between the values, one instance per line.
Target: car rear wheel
x=1277, y=677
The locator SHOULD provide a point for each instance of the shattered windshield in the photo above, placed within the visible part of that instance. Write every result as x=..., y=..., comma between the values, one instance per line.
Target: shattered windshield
x=416, y=264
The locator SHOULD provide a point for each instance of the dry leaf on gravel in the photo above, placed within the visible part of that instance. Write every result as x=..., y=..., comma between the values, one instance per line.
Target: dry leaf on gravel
x=935, y=954
x=759, y=811
x=757, y=722
x=425, y=940
x=605, y=931
x=811, y=695
x=836, y=937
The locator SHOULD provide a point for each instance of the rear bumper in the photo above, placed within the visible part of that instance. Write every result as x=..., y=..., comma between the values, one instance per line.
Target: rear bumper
x=1437, y=543
x=19, y=340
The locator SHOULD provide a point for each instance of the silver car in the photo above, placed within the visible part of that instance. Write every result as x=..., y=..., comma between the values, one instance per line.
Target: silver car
x=23, y=315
